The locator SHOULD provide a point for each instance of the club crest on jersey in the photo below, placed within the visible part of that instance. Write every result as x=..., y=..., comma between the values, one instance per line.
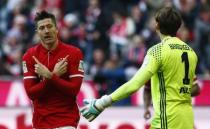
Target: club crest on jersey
x=81, y=66
x=25, y=70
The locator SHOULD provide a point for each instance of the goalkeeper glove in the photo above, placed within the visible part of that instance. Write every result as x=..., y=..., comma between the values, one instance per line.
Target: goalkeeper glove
x=93, y=107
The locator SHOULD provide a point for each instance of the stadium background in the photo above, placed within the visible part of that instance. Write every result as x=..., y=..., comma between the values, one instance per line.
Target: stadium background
x=114, y=36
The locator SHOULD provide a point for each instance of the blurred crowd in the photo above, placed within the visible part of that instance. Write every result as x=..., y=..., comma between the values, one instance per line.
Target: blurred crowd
x=114, y=35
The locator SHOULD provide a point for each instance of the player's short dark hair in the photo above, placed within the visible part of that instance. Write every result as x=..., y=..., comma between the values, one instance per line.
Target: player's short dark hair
x=169, y=21
x=43, y=15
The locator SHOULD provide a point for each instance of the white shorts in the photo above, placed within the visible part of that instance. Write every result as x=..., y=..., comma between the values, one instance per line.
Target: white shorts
x=66, y=127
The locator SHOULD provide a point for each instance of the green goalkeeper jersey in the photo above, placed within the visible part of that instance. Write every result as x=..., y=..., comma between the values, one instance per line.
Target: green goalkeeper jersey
x=173, y=68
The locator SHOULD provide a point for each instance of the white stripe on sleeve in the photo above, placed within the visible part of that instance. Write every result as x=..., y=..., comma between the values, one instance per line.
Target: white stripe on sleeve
x=76, y=75
x=29, y=77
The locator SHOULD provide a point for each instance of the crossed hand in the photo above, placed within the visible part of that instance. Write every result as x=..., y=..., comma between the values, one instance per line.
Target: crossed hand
x=59, y=69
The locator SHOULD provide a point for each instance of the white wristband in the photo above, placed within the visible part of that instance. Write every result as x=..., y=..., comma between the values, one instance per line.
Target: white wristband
x=104, y=102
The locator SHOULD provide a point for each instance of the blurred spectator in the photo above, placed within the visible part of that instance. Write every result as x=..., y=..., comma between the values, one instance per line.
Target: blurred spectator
x=12, y=52
x=202, y=30
x=96, y=67
x=207, y=60
x=12, y=4
x=134, y=56
x=121, y=29
x=102, y=23
x=23, y=28
x=3, y=18
x=76, y=31
x=22, y=8
x=65, y=34
x=114, y=75
x=92, y=13
x=184, y=34
x=59, y=17
x=51, y=4
x=188, y=11
x=98, y=62
x=78, y=6
x=149, y=33
x=38, y=6
x=136, y=52
x=155, y=4
x=139, y=15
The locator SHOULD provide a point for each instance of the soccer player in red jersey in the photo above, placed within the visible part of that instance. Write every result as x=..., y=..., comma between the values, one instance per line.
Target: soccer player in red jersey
x=53, y=74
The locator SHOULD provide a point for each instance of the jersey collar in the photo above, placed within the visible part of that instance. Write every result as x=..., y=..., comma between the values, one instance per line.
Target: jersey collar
x=43, y=49
x=165, y=38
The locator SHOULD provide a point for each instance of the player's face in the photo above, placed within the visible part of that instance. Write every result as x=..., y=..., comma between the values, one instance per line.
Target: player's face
x=47, y=32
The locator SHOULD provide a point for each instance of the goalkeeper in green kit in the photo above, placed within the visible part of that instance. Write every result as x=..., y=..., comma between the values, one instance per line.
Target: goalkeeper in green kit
x=171, y=66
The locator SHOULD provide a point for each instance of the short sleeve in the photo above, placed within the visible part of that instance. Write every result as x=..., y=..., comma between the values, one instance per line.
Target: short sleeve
x=76, y=65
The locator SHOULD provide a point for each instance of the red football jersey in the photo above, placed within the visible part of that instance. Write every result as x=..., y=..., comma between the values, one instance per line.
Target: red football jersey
x=54, y=100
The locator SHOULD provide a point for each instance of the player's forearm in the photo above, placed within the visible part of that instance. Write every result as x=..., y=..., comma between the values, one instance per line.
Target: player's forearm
x=147, y=97
x=35, y=90
x=131, y=86
x=68, y=87
x=195, y=90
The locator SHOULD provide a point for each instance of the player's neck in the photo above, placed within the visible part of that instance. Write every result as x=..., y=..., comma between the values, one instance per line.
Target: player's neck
x=162, y=36
x=51, y=47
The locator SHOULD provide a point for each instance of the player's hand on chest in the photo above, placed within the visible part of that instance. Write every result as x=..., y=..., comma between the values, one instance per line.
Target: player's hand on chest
x=56, y=64
x=61, y=66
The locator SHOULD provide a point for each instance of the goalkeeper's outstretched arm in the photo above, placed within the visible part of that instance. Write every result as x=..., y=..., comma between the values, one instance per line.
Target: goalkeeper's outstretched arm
x=133, y=85
x=93, y=107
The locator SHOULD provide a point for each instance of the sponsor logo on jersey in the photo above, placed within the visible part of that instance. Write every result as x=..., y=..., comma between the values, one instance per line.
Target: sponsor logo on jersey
x=25, y=70
x=81, y=66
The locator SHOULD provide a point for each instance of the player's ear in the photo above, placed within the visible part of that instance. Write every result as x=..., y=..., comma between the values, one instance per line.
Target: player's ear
x=36, y=27
x=157, y=26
